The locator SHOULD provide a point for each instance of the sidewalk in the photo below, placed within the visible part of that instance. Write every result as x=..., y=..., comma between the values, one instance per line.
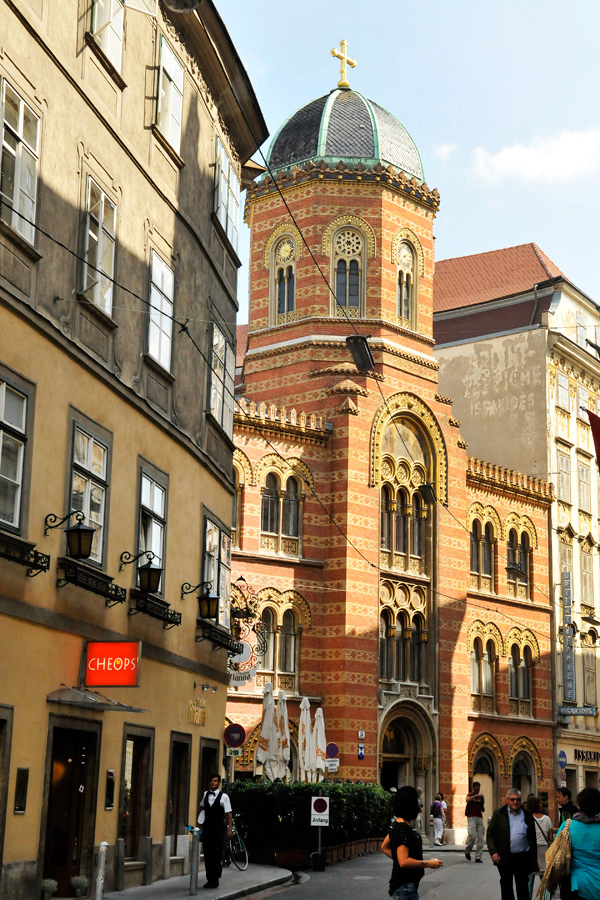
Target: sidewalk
x=233, y=884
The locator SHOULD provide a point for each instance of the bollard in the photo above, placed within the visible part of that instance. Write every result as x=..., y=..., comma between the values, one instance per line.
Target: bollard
x=194, y=861
x=101, y=869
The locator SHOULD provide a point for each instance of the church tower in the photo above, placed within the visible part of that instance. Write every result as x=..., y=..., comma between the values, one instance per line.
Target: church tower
x=342, y=244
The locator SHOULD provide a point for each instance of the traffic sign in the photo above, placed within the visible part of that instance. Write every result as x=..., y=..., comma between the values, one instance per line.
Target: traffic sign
x=332, y=765
x=319, y=811
x=234, y=735
x=234, y=751
x=331, y=751
x=562, y=759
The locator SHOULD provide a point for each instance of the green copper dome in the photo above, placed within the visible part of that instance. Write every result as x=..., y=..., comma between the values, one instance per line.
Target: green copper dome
x=344, y=125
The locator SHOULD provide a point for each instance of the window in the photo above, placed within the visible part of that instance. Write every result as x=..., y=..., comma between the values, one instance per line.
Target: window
x=13, y=417
x=290, y=509
x=270, y=505
x=161, y=311
x=406, y=285
x=227, y=195
x=520, y=678
x=416, y=527
x=487, y=669
x=217, y=567
x=222, y=381
x=416, y=649
x=585, y=487
x=564, y=477
x=285, y=280
x=107, y=28
x=482, y=675
x=583, y=403
x=518, y=557
x=279, y=659
x=348, y=264
x=170, y=95
x=287, y=643
x=581, y=330
x=562, y=391
x=476, y=654
x=153, y=515
x=566, y=558
x=236, y=510
x=99, y=247
x=89, y=485
x=19, y=167
x=481, y=556
x=386, y=643
x=513, y=669
x=402, y=647
x=266, y=661
x=401, y=523
x=589, y=675
x=386, y=518
x=587, y=584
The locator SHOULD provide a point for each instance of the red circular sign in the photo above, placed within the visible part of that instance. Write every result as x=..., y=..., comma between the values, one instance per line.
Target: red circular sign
x=331, y=751
x=234, y=735
x=320, y=804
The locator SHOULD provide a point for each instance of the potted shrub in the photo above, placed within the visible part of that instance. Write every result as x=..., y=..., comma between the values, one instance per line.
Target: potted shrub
x=49, y=886
x=79, y=884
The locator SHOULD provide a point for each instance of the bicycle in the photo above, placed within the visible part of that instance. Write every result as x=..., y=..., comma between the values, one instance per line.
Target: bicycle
x=235, y=850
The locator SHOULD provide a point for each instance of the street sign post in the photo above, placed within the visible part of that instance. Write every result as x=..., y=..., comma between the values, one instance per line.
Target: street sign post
x=319, y=811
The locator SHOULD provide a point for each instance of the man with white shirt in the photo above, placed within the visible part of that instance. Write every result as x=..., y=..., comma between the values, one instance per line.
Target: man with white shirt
x=214, y=806
x=511, y=840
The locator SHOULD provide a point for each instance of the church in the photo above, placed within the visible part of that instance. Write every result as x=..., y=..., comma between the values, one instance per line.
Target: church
x=396, y=581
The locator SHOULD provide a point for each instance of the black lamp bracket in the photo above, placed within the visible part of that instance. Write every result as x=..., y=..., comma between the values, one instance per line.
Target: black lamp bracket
x=202, y=588
x=127, y=558
x=51, y=521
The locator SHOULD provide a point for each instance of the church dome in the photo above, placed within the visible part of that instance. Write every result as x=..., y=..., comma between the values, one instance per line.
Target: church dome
x=344, y=125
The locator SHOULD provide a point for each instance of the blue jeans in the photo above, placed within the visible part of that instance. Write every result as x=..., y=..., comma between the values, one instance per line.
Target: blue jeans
x=406, y=892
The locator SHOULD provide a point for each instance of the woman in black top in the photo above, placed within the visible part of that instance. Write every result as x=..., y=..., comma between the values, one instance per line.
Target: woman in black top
x=404, y=847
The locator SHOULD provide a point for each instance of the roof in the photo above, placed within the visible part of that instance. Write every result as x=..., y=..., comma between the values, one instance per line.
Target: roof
x=468, y=280
x=344, y=125
x=241, y=346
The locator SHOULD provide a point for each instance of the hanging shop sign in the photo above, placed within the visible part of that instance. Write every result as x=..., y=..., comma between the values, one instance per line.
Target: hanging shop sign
x=568, y=634
x=112, y=663
x=577, y=711
x=586, y=756
x=197, y=712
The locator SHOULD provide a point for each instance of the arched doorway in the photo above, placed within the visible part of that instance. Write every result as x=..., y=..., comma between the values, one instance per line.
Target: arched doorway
x=407, y=749
x=523, y=774
x=484, y=771
x=397, y=754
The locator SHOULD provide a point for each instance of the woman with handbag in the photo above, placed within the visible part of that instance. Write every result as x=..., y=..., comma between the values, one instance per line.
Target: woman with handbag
x=585, y=847
x=543, y=826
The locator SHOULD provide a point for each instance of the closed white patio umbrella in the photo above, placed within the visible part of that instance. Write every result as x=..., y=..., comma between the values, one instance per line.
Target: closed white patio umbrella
x=283, y=738
x=320, y=744
x=304, y=740
x=266, y=750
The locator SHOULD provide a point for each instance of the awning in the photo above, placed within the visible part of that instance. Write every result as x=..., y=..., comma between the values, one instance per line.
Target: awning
x=89, y=700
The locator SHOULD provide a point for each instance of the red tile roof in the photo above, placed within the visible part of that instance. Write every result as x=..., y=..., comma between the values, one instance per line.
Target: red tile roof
x=467, y=280
x=484, y=321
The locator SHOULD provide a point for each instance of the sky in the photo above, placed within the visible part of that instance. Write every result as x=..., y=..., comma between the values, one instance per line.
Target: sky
x=501, y=99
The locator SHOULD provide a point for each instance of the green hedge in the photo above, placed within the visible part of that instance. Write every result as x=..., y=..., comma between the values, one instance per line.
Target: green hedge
x=279, y=814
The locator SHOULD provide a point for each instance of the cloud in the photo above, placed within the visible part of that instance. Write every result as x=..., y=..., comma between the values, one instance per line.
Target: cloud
x=568, y=154
x=443, y=151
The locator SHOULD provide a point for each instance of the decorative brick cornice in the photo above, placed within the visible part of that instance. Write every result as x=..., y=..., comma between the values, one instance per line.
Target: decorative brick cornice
x=269, y=418
x=490, y=475
x=441, y=399
x=348, y=387
x=383, y=175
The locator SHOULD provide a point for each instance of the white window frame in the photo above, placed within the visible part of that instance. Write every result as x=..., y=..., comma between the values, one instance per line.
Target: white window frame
x=160, y=322
x=564, y=476
x=222, y=381
x=585, y=486
x=169, y=103
x=15, y=433
x=153, y=518
x=227, y=194
x=581, y=330
x=587, y=578
x=20, y=216
x=583, y=403
x=98, y=285
x=217, y=567
x=107, y=28
x=84, y=469
x=589, y=676
x=562, y=391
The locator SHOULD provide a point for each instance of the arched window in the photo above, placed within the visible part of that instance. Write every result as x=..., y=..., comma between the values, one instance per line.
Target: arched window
x=482, y=544
x=476, y=654
x=290, y=509
x=416, y=543
x=524, y=561
x=266, y=661
x=287, y=643
x=520, y=675
x=513, y=670
x=486, y=551
x=401, y=523
x=525, y=673
x=416, y=650
x=518, y=557
x=406, y=305
x=482, y=675
x=270, y=505
x=487, y=669
x=385, y=645
x=285, y=280
x=402, y=639
x=386, y=519
x=236, y=510
x=522, y=774
x=348, y=253
x=475, y=537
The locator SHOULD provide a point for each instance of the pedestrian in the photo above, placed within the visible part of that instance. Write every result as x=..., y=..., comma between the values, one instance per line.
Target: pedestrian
x=404, y=847
x=214, y=807
x=512, y=843
x=444, y=816
x=436, y=818
x=543, y=827
x=419, y=820
x=474, y=813
x=566, y=807
x=585, y=848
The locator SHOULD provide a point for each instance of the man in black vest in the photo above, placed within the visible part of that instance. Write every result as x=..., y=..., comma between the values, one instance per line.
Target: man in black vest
x=214, y=806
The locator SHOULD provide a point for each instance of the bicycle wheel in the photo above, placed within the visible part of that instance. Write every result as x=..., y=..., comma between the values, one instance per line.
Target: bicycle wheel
x=226, y=854
x=238, y=852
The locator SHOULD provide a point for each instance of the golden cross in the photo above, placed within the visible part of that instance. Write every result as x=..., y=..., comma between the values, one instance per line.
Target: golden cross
x=342, y=83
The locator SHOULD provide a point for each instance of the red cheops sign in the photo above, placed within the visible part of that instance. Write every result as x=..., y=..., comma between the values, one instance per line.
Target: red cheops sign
x=112, y=664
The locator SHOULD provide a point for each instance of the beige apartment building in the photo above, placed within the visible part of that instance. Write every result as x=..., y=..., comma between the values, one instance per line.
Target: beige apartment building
x=518, y=346
x=125, y=135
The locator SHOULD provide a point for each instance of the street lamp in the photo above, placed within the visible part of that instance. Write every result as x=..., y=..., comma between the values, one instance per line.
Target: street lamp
x=361, y=352
x=79, y=536
x=149, y=574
